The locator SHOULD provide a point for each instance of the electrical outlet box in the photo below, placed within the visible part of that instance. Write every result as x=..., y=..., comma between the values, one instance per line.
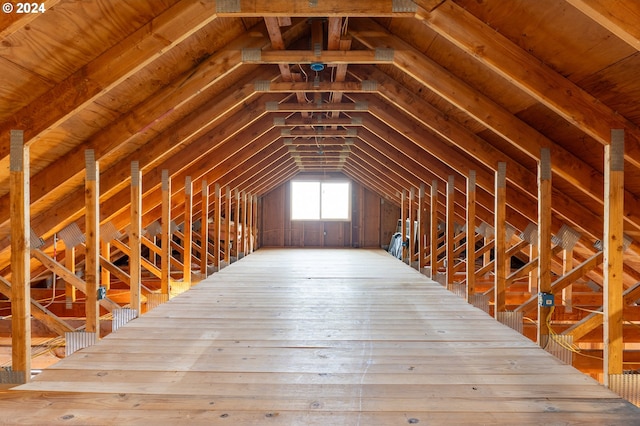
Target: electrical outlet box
x=102, y=292
x=545, y=300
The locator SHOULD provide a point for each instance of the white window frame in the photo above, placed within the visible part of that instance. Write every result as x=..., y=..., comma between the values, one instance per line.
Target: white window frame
x=319, y=217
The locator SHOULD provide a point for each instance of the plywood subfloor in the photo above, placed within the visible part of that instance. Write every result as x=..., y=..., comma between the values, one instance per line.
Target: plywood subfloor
x=315, y=337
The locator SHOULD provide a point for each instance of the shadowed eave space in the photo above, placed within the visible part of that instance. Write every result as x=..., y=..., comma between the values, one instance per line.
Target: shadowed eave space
x=315, y=337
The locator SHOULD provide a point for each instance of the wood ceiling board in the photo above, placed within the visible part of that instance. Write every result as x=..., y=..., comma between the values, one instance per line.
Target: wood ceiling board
x=82, y=33
x=357, y=179
x=263, y=163
x=530, y=75
x=501, y=145
x=400, y=78
x=283, y=174
x=618, y=86
x=363, y=177
x=464, y=67
x=564, y=134
x=619, y=17
x=13, y=22
x=168, y=68
x=117, y=135
x=19, y=87
x=197, y=163
x=548, y=32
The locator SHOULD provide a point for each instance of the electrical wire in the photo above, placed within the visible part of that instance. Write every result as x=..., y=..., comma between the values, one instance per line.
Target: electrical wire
x=572, y=347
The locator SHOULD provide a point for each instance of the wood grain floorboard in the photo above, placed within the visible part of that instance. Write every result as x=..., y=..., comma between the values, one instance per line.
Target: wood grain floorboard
x=314, y=337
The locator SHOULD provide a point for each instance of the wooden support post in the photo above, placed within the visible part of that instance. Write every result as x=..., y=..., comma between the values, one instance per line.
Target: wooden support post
x=361, y=208
x=188, y=230
x=403, y=223
x=500, y=249
x=165, y=281
x=471, y=235
x=533, y=275
x=544, y=242
x=217, y=226
x=256, y=204
x=204, y=229
x=92, y=230
x=486, y=257
x=450, y=224
x=251, y=223
x=613, y=254
x=422, y=228
x=105, y=275
x=70, y=264
x=433, y=255
x=135, y=236
x=245, y=225
x=411, y=229
x=227, y=242
x=20, y=255
x=567, y=292
x=238, y=222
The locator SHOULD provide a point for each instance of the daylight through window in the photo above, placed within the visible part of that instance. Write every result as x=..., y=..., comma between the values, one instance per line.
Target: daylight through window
x=314, y=200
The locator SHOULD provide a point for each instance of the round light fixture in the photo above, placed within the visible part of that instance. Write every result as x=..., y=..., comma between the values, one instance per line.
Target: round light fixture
x=317, y=66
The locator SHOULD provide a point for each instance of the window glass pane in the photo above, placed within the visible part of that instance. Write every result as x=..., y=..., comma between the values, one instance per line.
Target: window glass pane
x=335, y=200
x=305, y=200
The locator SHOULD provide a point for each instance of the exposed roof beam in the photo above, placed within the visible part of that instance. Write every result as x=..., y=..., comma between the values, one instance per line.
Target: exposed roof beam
x=484, y=110
x=619, y=17
x=322, y=86
x=276, y=8
x=109, y=69
x=318, y=120
x=327, y=57
x=532, y=76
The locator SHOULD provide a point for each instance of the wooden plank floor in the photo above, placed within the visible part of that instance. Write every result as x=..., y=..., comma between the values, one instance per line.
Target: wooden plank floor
x=314, y=337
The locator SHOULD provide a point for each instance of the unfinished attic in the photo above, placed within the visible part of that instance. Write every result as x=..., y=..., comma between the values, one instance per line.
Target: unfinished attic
x=171, y=247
